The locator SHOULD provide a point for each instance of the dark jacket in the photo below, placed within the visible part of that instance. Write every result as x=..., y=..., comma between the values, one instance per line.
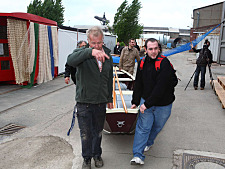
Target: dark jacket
x=69, y=70
x=205, y=56
x=156, y=87
x=92, y=86
x=137, y=47
x=117, y=50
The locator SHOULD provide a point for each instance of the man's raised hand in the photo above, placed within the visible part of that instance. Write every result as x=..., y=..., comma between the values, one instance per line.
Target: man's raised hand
x=99, y=55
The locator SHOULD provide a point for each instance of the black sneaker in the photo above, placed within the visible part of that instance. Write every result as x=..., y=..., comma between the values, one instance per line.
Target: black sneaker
x=98, y=162
x=86, y=163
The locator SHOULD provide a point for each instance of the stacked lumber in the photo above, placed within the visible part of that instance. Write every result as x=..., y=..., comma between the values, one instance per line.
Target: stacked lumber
x=219, y=88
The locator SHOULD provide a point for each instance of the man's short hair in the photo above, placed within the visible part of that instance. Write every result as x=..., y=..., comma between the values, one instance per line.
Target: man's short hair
x=153, y=40
x=95, y=31
x=131, y=40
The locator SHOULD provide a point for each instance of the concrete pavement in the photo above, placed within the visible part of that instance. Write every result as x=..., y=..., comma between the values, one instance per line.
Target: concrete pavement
x=197, y=123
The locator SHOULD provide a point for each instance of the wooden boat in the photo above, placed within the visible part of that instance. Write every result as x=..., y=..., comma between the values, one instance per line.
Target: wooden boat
x=121, y=119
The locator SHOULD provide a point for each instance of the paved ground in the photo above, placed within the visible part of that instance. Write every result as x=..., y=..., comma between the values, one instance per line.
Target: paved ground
x=197, y=123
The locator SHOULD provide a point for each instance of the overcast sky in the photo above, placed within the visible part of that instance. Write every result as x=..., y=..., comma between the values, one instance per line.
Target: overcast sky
x=154, y=13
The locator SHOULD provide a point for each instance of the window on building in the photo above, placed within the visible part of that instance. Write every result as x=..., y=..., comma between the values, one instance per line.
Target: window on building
x=3, y=32
x=5, y=65
x=4, y=50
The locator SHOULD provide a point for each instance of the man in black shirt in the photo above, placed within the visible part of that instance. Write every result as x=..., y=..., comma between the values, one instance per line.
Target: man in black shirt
x=154, y=92
x=117, y=48
x=205, y=57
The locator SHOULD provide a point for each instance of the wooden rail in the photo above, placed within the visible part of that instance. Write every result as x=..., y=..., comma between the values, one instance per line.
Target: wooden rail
x=219, y=88
x=114, y=93
x=121, y=94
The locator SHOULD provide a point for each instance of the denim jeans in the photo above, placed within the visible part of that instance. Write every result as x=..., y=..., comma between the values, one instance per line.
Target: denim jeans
x=91, y=118
x=199, y=69
x=149, y=124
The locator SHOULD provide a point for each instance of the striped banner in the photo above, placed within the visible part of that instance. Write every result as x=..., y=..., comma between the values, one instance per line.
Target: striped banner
x=36, y=34
x=51, y=50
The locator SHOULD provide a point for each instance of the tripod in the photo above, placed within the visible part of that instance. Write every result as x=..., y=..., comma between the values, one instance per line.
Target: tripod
x=210, y=74
x=190, y=79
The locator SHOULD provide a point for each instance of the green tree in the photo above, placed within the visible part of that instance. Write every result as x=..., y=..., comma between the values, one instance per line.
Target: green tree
x=51, y=9
x=35, y=7
x=125, y=23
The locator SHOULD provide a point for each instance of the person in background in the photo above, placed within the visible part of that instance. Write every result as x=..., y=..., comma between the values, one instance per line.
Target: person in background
x=154, y=92
x=94, y=90
x=142, y=51
x=136, y=46
x=71, y=71
x=117, y=48
x=128, y=56
x=205, y=57
x=127, y=60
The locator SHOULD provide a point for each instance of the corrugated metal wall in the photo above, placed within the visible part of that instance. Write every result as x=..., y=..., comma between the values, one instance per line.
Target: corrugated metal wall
x=221, y=48
x=214, y=43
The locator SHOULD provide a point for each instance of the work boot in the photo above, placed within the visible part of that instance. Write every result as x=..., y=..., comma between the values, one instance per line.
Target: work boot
x=202, y=88
x=86, y=163
x=98, y=162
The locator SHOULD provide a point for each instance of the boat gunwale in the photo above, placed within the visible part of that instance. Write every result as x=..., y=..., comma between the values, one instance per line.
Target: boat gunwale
x=121, y=110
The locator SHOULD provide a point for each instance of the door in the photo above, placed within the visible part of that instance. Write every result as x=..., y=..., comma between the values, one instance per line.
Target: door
x=6, y=66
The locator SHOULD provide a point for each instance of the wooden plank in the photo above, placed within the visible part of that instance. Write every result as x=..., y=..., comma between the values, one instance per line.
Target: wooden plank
x=221, y=80
x=114, y=93
x=121, y=110
x=220, y=92
x=121, y=94
x=131, y=76
x=222, y=98
x=125, y=79
x=115, y=68
x=119, y=73
x=115, y=55
x=217, y=86
x=125, y=92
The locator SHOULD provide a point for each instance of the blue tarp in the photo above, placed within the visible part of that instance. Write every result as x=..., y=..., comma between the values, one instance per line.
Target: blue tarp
x=116, y=59
x=187, y=46
x=168, y=45
x=179, y=49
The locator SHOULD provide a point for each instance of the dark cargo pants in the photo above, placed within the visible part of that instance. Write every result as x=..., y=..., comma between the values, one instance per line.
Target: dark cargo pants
x=91, y=118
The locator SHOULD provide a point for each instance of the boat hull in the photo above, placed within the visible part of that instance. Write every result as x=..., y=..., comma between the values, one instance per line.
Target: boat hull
x=120, y=122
